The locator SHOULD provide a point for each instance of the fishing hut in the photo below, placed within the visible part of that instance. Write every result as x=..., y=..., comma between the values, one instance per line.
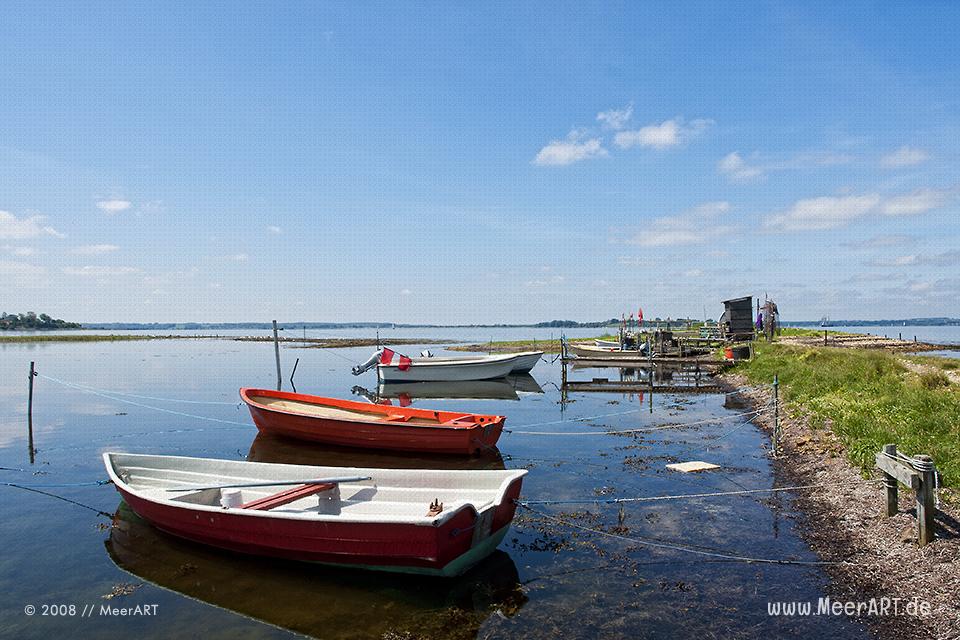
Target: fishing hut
x=736, y=323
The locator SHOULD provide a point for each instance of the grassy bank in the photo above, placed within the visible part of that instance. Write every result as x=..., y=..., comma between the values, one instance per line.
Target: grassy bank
x=81, y=338
x=869, y=398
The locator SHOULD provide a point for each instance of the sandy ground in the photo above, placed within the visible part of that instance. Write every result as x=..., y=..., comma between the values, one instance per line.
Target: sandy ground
x=861, y=342
x=846, y=521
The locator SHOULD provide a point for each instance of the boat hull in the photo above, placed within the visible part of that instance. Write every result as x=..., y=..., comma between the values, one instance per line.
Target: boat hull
x=592, y=352
x=526, y=361
x=395, y=436
x=448, y=370
x=444, y=547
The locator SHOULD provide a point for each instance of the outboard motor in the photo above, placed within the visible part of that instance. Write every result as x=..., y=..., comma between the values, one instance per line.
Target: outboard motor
x=371, y=362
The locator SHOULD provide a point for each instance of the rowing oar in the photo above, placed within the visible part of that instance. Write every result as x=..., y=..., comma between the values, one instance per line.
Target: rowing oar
x=276, y=484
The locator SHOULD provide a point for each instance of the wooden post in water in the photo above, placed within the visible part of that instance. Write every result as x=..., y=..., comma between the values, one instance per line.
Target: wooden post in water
x=824, y=337
x=33, y=374
x=890, y=482
x=925, y=500
x=276, y=352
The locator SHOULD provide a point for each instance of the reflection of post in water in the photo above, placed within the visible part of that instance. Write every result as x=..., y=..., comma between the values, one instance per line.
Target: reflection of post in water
x=314, y=599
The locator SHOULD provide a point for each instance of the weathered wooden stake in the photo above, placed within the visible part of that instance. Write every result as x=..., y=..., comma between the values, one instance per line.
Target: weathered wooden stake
x=890, y=483
x=824, y=337
x=33, y=374
x=925, y=501
x=276, y=352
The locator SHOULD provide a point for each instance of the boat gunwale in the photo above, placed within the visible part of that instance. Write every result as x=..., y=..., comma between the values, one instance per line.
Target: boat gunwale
x=305, y=516
x=245, y=395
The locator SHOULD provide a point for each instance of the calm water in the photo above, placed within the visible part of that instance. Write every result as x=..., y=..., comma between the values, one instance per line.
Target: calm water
x=547, y=580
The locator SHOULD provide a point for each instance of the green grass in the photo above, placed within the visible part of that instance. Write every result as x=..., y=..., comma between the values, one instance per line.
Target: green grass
x=869, y=399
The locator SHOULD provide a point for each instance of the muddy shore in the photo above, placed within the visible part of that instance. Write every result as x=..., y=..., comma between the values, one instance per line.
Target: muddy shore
x=845, y=521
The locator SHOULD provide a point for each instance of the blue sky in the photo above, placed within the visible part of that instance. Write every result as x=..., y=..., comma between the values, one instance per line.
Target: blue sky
x=436, y=163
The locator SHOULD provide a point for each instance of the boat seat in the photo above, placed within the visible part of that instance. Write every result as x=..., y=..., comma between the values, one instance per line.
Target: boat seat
x=287, y=496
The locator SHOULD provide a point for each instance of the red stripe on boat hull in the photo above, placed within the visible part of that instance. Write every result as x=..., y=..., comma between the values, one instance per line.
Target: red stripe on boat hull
x=377, y=545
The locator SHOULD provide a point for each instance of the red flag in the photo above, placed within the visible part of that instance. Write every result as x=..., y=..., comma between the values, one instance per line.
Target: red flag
x=405, y=363
x=387, y=356
x=640, y=315
x=405, y=400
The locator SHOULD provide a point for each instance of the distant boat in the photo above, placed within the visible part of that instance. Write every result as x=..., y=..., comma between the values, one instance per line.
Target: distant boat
x=588, y=351
x=449, y=369
x=349, y=423
x=413, y=521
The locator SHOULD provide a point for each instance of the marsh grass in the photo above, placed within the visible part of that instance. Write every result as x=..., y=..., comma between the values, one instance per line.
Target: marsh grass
x=868, y=398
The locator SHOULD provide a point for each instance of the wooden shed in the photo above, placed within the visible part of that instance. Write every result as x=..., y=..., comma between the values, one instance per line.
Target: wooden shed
x=736, y=323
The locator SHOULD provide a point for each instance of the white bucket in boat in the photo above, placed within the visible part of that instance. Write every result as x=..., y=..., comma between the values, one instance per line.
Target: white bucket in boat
x=230, y=498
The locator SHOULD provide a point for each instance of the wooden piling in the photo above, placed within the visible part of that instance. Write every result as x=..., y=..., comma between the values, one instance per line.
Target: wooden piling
x=33, y=374
x=925, y=501
x=824, y=337
x=890, y=482
x=276, y=352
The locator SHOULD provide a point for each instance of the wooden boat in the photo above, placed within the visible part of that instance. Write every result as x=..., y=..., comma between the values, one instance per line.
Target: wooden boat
x=593, y=352
x=606, y=344
x=414, y=521
x=349, y=423
x=449, y=368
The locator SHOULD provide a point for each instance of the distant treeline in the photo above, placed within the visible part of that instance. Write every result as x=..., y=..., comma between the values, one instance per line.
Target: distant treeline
x=909, y=322
x=193, y=326
x=30, y=320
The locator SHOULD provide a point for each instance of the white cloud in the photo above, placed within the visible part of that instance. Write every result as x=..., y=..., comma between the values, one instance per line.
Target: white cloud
x=576, y=147
x=903, y=157
x=238, y=257
x=94, y=249
x=114, y=206
x=827, y=212
x=405, y=292
x=736, y=169
x=275, y=230
x=694, y=226
x=615, y=119
x=669, y=133
x=99, y=271
x=14, y=228
x=919, y=201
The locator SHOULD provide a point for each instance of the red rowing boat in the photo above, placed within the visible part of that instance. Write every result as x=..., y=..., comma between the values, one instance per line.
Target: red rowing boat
x=359, y=424
x=410, y=520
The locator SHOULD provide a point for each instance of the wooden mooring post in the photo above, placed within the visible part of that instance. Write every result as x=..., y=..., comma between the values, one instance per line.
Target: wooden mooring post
x=920, y=475
x=33, y=374
x=276, y=352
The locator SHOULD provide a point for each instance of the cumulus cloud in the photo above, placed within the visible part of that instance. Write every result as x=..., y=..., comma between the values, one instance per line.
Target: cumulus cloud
x=670, y=133
x=114, y=206
x=903, y=157
x=615, y=119
x=830, y=212
x=274, y=230
x=14, y=228
x=94, y=249
x=576, y=147
x=736, y=169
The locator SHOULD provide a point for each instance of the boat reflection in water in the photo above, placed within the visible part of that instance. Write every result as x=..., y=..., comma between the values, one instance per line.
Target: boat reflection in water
x=269, y=448
x=316, y=600
x=405, y=393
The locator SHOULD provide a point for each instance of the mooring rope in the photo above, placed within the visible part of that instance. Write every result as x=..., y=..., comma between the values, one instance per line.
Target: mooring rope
x=677, y=547
x=35, y=489
x=681, y=496
x=679, y=425
x=923, y=466
x=77, y=385
x=144, y=406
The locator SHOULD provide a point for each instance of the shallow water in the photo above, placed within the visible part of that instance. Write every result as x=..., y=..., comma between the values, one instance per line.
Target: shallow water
x=546, y=580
